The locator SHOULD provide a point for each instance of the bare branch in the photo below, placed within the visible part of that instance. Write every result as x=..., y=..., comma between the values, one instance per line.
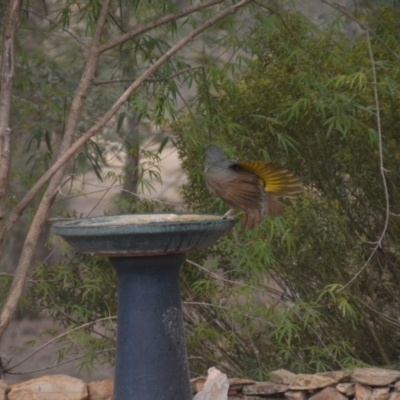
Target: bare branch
x=33, y=371
x=163, y=20
x=285, y=25
x=39, y=220
x=69, y=148
x=101, y=123
x=107, y=188
x=362, y=25
x=7, y=75
x=269, y=293
x=150, y=80
x=58, y=337
x=51, y=22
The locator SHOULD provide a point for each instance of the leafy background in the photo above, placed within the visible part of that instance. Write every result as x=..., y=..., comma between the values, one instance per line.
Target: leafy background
x=281, y=296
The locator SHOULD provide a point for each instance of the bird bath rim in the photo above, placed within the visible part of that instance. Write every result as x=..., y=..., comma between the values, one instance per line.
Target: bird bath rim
x=143, y=234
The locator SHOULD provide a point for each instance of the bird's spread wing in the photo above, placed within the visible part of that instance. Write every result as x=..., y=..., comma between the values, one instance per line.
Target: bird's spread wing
x=275, y=180
x=240, y=191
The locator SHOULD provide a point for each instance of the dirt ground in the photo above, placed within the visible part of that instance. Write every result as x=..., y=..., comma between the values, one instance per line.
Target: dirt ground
x=12, y=351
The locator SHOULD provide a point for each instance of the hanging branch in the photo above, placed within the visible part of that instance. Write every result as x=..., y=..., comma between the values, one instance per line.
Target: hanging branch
x=382, y=170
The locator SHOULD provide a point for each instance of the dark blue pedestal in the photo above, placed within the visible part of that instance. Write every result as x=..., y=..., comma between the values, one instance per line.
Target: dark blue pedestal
x=151, y=361
x=147, y=251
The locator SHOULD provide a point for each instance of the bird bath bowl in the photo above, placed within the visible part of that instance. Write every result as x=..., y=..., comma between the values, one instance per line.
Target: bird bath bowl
x=147, y=252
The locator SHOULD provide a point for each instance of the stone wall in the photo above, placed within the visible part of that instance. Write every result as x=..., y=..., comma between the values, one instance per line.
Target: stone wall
x=57, y=387
x=358, y=384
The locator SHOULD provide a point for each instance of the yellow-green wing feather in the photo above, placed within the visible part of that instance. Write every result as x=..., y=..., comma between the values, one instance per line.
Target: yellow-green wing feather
x=276, y=180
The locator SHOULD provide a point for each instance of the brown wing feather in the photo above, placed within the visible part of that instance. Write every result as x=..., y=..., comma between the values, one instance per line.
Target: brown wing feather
x=241, y=190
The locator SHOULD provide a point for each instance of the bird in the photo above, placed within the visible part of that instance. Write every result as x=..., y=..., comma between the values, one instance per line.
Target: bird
x=249, y=186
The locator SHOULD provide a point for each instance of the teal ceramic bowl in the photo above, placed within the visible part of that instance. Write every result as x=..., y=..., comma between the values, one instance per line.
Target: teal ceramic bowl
x=143, y=234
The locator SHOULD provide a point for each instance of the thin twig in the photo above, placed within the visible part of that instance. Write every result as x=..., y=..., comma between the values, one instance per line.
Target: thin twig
x=204, y=304
x=150, y=80
x=61, y=336
x=362, y=25
x=381, y=168
x=120, y=188
x=29, y=10
x=278, y=14
x=219, y=278
x=380, y=314
x=57, y=365
x=161, y=21
x=102, y=197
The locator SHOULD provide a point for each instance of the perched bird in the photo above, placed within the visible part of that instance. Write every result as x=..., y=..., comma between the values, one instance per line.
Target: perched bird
x=249, y=186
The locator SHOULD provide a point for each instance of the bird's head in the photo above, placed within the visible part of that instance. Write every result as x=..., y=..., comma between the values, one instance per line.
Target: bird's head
x=214, y=155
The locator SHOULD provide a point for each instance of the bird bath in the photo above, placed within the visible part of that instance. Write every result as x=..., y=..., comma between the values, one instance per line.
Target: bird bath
x=147, y=252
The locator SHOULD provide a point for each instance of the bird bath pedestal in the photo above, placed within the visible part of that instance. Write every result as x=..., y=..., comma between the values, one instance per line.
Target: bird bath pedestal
x=147, y=252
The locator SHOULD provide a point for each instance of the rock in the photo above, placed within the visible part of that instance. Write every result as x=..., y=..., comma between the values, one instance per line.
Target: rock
x=339, y=376
x=282, y=376
x=394, y=396
x=49, y=387
x=101, y=390
x=216, y=386
x=296, y=395
x=348, y=388
x=198, y=384
x=329, y=393
x=238, y=383
x=311, y=382
x=264, y=388
x=380, y=393
x=363, y=392
x=375, y=376
x=397, y=386
x=3, y=388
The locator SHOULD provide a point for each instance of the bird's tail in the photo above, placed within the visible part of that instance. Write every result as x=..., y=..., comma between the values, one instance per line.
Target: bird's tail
x=272, y=209
x=250, y=221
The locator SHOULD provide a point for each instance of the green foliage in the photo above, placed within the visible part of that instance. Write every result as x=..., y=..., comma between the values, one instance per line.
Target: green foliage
x=275, y=297
x=306, y=101
x=80, y=293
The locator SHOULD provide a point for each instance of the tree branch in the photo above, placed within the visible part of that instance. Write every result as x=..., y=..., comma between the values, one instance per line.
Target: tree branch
x=101, y=123
x=362, y=25
x=70, y=148
x=34, y=371
x=33, y=234
x=7, y=75
x=150, y=80
x=51, y=22
x=83, y=326
x=161, y=21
